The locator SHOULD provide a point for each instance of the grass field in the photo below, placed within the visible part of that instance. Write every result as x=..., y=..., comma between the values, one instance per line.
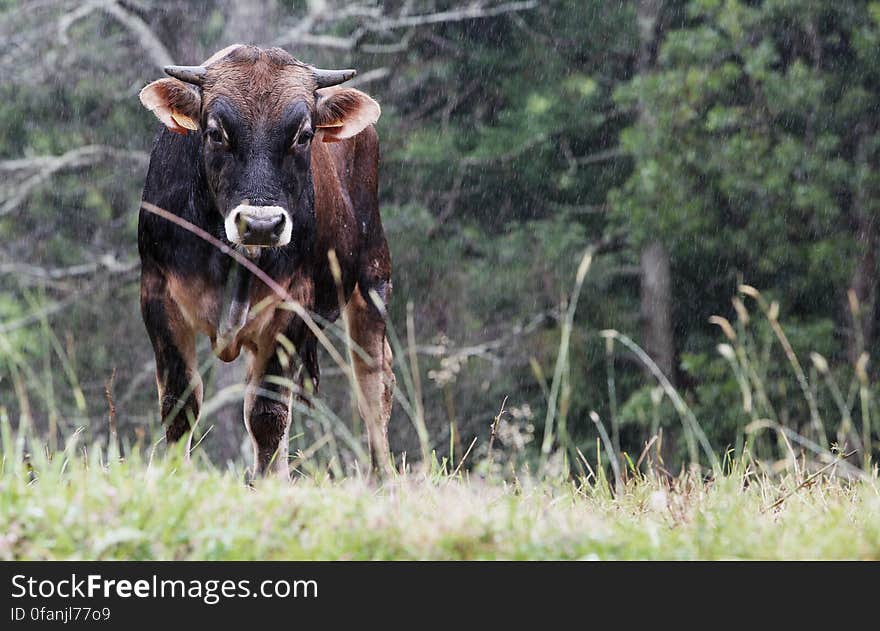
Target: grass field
x=75, y=506
x=801, y=501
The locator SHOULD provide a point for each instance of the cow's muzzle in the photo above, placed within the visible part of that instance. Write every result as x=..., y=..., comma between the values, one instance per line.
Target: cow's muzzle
x=264, y=226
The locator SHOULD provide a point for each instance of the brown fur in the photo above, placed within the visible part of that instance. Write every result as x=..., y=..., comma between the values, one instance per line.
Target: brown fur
x=260, y=83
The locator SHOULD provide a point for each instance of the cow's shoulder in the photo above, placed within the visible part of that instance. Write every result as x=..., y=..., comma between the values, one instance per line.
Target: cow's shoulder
x=173, y=184
x=356, y=163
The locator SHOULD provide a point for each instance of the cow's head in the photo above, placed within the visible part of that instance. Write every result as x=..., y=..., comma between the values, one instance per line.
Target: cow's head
x=259, y=112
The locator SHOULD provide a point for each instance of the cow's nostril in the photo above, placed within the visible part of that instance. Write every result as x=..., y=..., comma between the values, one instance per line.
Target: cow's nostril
x=279, y=227
x=273, y=222
x=240, y=222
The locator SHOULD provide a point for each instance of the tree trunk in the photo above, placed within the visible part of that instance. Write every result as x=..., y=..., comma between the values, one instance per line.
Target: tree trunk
x=863, y=285
x=648, y=14
x=656, y=307
x=864, y=288
x=253, y=22
x=656, y=281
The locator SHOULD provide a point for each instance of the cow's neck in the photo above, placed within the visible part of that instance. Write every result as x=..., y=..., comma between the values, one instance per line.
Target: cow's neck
x=236, y=300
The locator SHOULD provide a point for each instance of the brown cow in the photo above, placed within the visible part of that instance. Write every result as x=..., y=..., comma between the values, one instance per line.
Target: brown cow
x=261, y=151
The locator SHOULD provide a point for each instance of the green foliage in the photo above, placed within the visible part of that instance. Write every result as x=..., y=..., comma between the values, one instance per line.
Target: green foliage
x=750, y=161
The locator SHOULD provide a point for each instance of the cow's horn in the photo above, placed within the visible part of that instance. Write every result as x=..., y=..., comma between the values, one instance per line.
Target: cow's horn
x=187, y=74
x=326, y=78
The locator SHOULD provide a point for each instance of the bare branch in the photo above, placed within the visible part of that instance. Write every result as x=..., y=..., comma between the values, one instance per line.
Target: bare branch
x=373, y=75
x=68, y=20
x=486, y=350
x=40, y=168
x=107, y=261
x=599, y=156
x=60, y=305
x=156, y=50
x=536, y=140
x=302, y=35
x=474, y=12
x=80, y=156
x=150, y=43
x=489, y=351
x=318, y=41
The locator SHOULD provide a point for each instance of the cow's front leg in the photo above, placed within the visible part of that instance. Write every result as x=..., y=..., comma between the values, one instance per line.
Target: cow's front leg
x=267, y=410
x=178, y=381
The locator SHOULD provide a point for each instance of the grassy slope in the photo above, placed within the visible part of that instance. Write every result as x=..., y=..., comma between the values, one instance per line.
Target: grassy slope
x=83, y=510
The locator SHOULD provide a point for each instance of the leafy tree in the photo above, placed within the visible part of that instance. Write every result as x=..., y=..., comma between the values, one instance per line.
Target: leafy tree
x=754, y=163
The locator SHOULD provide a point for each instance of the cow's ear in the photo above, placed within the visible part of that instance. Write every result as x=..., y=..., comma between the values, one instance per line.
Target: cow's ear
x=343, y=112
x=173, y=103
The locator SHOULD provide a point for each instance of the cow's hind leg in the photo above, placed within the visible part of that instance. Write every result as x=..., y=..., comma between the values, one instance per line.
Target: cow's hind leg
x=374, y=376
x=267, y=410
x=178, y=381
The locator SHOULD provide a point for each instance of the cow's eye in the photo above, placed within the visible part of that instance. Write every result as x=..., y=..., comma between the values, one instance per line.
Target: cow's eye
x=216, y=136
x=304, y=138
